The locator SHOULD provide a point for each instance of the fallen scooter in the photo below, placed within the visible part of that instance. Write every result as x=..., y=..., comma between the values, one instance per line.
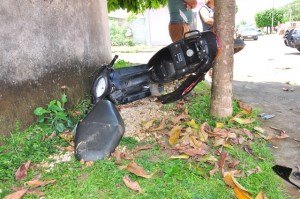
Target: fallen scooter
x=189, y=59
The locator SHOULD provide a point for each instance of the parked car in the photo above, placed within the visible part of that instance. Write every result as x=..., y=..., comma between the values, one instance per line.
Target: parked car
x=292, y=38
x=249, y=33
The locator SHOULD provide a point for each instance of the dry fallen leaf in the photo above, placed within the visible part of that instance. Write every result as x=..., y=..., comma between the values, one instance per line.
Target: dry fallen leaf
x=22, y=171
x=147, y=125
x=193, y=124
x=17, y=195
x=193, y=152
x=208, y=158
x=67, y=136
x=244, y=120
x=162, y=124
x=37, y=183
x=261, y=195
x=214, y=170
x=205, y=128
x=245, y=106
x=233, y=164
x=140, y=148
x=239, y=190
x=255, y=170
x=222, y=160
x=137, y=170
x=248, y=149
x=248, y=133
x=219, y=125
x=282, y=134
x=174, y=135
x=183, y=156
x=133, y=185
x=194, y=142
x=219, y=142
x=203, y=136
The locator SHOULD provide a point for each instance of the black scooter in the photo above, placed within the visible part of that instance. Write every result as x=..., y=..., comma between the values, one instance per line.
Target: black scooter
x=99, y=133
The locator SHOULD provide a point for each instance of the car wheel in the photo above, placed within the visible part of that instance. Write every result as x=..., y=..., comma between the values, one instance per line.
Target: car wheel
x=255, y=38
x=298, y=49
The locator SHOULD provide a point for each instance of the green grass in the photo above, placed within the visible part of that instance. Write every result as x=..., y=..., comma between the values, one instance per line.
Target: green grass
x=171, y=179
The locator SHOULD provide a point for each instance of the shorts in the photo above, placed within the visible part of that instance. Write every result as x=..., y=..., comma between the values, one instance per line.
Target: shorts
x=177, y=30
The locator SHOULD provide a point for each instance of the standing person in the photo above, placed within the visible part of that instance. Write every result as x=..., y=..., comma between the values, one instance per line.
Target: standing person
x=180, y=17
x=206, y=14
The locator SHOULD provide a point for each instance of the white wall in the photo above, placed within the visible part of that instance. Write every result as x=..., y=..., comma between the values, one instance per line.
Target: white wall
x=157, y=22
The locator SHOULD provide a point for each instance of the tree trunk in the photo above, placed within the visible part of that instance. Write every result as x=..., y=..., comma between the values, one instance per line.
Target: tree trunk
x=221, y=92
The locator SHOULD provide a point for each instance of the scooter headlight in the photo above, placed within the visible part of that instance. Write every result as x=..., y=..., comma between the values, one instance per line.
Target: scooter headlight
x=100, y=87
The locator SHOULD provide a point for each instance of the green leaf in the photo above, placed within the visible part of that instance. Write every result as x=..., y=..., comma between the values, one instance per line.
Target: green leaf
x=64, y=98
x=69, y=123
x=60, y=127
x=58, y=104
x=40, y=111
x=61, y=115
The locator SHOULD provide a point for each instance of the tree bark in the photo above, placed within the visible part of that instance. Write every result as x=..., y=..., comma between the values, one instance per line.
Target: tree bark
x=221, y=91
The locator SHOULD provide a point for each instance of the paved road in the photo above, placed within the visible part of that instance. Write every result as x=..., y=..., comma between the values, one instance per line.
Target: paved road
x=261, y=72
x=267, y=60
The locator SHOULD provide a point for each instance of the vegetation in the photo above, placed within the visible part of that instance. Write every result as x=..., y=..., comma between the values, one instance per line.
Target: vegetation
x=264, y=18
x=292, y=11
x=118, y=35
x=138, y=6
x=170, y=178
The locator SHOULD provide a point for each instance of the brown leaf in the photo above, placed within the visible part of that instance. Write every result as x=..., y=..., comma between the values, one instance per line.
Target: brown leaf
x=193, y=152
x=282, y=134
x=133, y=185
x=233, y=164
x=22, y=171
x=244, y=120
x=177, y=119
x=239, y=190
x=140, y=148
x=194, y=142
x=222, y=160
x=205, y=128
x=162, y=124
x=89, y=163
x=118, y=155
x=248, y=149
x=174, y=135
x=252, y=171
x=203, y=136
x=214, y=170
x=245, y=106
x=36, y=183
x=248, y=133
x=67, y=136
x=241, y=140
x=67, y=148
x=17, y=195
x=223, y=133
x=137, y=170
x=219, y=142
